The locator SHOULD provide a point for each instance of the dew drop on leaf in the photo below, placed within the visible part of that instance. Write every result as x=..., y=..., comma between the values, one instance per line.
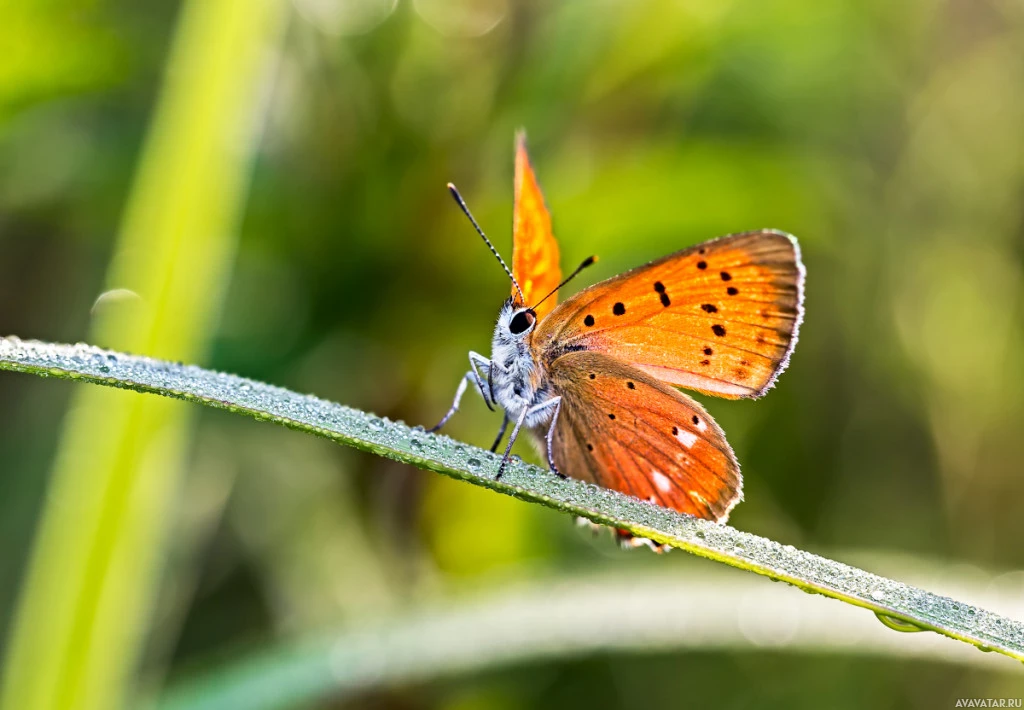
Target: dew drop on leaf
x=898, y=624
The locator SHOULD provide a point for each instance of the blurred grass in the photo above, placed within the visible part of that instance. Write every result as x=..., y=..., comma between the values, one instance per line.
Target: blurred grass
x=551, y=620
x=97, y=558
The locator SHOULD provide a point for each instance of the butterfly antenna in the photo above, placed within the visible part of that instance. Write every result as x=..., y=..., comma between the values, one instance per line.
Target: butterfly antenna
x=586, y=262
x=462, y=205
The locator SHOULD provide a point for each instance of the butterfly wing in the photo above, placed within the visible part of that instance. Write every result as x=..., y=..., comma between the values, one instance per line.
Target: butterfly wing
x=535, y=258
x=622, y=429
x=721, y=317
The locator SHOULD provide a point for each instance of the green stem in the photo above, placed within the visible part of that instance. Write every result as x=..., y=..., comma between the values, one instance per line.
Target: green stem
x=811, y=573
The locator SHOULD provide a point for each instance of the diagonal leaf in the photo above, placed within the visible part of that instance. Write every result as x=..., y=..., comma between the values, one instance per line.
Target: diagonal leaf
x=901, y=606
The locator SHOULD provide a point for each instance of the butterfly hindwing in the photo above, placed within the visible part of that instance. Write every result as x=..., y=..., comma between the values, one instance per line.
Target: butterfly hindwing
x=720, y=317
x=535, y=258
x=620, y=428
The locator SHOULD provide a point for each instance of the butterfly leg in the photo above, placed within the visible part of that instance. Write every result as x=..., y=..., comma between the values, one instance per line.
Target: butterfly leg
x=455, y=403
x=527, y=411
x=472, y=376
x=511, y=440
x=501, y=433
x=551, y=436
x=477, y=361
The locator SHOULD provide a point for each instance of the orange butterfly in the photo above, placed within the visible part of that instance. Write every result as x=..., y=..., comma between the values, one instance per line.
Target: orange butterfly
x=593, y=378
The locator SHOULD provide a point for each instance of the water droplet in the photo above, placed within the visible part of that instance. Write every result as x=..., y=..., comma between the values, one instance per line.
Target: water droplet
x=416, y=444
x=376, y=424
x=985, y=649
x=898, y=624
x=473, y=464
x=877, y=594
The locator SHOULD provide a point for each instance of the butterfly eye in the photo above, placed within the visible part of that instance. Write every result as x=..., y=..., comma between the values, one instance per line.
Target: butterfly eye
x=522, y=322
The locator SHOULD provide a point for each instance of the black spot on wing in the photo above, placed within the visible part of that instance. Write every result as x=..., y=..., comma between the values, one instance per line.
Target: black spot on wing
x=660, y=288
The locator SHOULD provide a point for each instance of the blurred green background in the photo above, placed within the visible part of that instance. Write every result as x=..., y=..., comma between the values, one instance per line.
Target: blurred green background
x=889, y=137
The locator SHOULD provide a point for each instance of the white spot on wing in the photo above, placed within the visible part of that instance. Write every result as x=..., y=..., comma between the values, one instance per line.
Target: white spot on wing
x=661, y=481
x=688, y=438
x=702, y=425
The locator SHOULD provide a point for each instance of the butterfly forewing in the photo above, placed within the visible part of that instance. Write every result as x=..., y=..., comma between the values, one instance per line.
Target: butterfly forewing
x=622, y=429
x=535, y=258
x=721, y=317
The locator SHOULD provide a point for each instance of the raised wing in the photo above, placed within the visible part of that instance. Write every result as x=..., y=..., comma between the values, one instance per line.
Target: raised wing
x=720, y=317
x=623, y=429
x=535, y=259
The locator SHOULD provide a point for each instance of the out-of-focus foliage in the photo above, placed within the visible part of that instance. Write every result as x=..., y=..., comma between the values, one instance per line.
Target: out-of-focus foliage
x=886, y=136
x=91, y=583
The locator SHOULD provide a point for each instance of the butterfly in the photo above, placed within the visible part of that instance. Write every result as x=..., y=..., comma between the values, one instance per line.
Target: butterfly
x=594, y=378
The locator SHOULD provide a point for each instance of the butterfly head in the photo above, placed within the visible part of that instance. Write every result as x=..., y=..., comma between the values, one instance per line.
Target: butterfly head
x=511, y=345
x=515, y=322
x=522, y=322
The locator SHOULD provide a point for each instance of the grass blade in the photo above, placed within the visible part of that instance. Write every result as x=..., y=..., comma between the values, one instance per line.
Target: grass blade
x=904, y=606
